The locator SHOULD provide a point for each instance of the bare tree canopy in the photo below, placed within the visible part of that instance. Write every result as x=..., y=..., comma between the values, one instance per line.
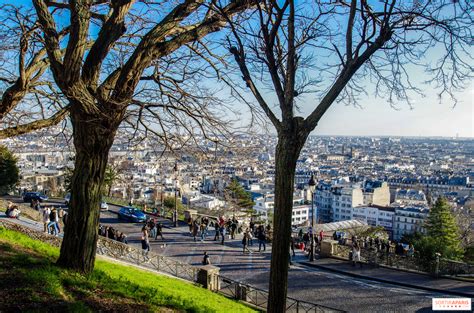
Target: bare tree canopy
x=107, y=63
x=332, y=51
x=123, y=53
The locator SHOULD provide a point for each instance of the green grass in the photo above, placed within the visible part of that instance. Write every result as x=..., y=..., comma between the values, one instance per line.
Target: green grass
x=110, y=287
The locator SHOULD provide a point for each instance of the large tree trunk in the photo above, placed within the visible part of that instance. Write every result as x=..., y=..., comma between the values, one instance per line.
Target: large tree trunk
x=287, y=152
x=93, y=137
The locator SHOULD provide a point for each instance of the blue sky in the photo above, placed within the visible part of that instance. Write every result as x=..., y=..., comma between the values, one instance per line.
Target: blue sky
x=429, y=116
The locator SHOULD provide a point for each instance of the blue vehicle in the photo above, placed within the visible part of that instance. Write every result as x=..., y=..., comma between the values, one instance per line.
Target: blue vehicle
x=30, y=196
x=132, y=214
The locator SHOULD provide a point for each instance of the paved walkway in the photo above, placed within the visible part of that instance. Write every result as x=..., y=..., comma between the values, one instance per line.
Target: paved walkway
x=397, y=277
x=379, y=274
x=327, y=286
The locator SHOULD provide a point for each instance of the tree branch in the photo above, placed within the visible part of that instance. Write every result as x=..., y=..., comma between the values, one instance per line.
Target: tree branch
x=76, y=46
x=51, y=37
x=36, y=125
x=110, y=32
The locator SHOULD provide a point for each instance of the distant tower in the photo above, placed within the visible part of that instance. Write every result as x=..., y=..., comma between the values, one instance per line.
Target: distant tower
x=343, y=147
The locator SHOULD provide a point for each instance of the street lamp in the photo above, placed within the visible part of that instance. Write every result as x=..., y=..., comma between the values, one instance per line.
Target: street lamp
x=175, y=217
x=162, y=211
x=312, y=187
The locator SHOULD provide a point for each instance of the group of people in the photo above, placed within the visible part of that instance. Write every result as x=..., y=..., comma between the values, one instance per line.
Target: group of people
x=155, y=229
x=260, y=233
x=51, y=219
x=200, y=227
x=12, y=210
x=303, y=240
x=151, y=229
x=112, y=233
x=383, y=246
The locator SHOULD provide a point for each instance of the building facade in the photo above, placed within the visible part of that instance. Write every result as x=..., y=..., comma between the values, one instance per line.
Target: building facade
x=409, y=219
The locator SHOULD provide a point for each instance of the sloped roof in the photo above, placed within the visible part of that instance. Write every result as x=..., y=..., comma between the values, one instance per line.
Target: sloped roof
x=342, y=225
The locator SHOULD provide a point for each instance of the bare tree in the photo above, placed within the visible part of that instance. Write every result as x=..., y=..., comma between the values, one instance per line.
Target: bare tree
x=333, y=50
x=102, y=75
x=29, y=99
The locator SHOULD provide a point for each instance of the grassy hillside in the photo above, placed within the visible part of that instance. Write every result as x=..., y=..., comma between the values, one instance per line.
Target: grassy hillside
x=30, y=281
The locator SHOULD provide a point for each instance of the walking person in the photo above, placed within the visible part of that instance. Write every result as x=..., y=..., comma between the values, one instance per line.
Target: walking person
x=145, y=244
x=59, y=217
x=52, y=222
x=216, y=228
x=152, y=227
x=245, y=241
x=195, y=230
x=250, y=236
x=203, y=229
x=159, y=231
x=261, y=238
x=292, y=246
x=356, y=254
x=45, y=216
x=233, y=228
x=222, y=232
x=305, y=240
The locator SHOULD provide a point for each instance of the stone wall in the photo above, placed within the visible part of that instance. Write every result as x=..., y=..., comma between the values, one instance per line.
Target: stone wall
x=34, y=234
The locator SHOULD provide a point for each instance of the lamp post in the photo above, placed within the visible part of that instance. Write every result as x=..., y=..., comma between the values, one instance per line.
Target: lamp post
x=175, y=215
x=312, y=186
x=162, y=211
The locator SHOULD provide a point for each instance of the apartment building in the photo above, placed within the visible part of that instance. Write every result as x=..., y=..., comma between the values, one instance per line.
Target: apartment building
x=409, y=219
x=264, y=207
x=375, y=215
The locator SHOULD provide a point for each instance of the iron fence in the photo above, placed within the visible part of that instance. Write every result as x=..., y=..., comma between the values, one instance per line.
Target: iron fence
x=415, y=262
x=259, y=298
x=160, y=263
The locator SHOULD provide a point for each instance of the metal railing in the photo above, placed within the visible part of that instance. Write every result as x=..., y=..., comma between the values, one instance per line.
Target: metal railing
x=160, y=263
x=378, y=257
x=259, y=298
